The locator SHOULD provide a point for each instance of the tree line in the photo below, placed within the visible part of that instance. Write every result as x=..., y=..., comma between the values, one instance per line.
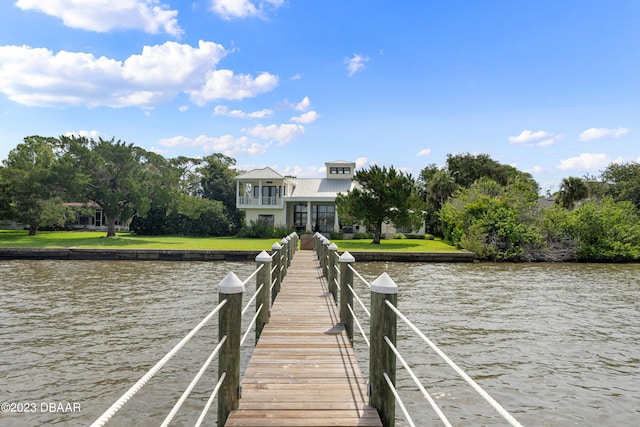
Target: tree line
x=181, y=195
x=495, y=210
x=473, y=201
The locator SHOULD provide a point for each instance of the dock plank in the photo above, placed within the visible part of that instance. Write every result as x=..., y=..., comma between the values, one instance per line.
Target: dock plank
x=303, y=371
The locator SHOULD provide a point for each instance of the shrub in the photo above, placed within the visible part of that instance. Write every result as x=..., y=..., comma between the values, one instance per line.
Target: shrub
x=336, y=235
x=262, y=230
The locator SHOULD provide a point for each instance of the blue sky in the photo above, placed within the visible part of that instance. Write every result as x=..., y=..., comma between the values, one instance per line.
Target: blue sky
x=550, y=87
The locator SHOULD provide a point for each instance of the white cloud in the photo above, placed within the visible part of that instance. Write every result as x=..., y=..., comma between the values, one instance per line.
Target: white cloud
x=230, y=9
x=183, y=108
x=361, y=162
x=536, y=169
x=535, y=139
x=222, y=110
x=303, y=105
x=598, y=133
x=284, y=134
x=226, y=144
x=224, y=84
x=37, y=76
x=172, y=63
x=426, y=152
x=355, y=63
x=590, y=162
x=101, y=16
x=306, y=118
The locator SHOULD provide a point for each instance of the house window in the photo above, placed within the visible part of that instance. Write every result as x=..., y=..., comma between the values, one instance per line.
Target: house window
x=266, y=219
x=300, y=217
x=270, y=194
x=340, y=171
x=323, y=217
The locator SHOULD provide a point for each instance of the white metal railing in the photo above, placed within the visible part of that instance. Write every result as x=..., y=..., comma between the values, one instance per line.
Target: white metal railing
x=260, y=201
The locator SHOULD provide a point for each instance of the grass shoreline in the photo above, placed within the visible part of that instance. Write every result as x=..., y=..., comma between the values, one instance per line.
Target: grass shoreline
x=97, y=240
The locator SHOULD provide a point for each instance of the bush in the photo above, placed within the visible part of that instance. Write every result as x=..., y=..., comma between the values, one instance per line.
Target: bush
x=336, y=235
x=262, y=230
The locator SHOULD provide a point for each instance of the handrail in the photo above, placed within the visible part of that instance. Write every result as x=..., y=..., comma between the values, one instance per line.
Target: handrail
x=252, y=275
x=253, y=298
x=385, y=320
x=416, y=380
x=360, y=276
x=355, y=319
x=106, y=416
x=236, y=289
x=456, y=368
x=214, y=393
x=407, y=417
x=359, y=301
x=251, y=325
x=193, y=383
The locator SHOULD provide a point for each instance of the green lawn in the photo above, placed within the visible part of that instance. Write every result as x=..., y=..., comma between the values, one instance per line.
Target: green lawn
x=97, y=239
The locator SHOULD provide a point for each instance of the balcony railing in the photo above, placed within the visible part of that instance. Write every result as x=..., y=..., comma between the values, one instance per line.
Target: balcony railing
x=250, y=201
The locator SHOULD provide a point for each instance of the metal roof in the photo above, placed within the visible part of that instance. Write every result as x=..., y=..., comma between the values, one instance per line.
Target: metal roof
x=318, y=189
x=264, y=173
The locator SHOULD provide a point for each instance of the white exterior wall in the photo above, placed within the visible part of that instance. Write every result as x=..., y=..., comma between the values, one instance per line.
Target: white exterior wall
x=278, y=215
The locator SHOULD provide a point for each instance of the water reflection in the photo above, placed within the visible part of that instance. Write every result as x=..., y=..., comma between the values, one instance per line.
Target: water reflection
x=556, y=344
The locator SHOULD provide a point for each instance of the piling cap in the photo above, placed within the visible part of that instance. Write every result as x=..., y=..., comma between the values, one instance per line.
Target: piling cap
x=263, y=257
x=332, y=247
x=231, y=284
x=284, y=241
x=346, y=257
x=326, y=242
x=276, y=246
x=384, y=285
x=289, y=238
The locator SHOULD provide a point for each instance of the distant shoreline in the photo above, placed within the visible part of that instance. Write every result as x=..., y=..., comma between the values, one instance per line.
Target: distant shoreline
x=209, y=255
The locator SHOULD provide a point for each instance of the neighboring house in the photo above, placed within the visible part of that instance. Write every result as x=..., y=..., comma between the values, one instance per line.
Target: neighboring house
x=91, y=217
x=307, y=204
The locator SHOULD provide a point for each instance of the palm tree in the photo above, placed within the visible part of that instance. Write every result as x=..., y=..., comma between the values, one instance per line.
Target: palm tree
x=572, y=190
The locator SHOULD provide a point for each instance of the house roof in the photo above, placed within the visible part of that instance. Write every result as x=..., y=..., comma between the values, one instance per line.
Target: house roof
x=340, y=162
x=264, y=173
x=318, y=189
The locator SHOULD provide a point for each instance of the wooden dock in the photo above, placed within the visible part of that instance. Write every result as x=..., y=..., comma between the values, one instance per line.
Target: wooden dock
x=303, y=371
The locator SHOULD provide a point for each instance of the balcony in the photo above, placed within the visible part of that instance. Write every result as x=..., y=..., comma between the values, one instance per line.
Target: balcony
x=257, y=202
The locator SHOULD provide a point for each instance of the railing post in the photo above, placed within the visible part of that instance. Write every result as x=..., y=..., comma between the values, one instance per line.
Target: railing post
x=285, y=251
x=332, y=263
x=277, y=260
x=325, y=260
x=346, y=297
x=316, y=244
x=382, y=359
x=264, y=296
x=231, y=289
x=289, y=250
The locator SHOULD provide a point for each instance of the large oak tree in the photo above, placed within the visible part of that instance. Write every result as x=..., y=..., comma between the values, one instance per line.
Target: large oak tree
x=119, y=177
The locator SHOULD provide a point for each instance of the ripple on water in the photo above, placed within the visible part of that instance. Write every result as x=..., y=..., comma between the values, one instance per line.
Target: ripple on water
x=555, y=344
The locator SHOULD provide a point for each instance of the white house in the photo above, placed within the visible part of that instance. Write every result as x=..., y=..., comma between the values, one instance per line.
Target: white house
x=303, y=203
